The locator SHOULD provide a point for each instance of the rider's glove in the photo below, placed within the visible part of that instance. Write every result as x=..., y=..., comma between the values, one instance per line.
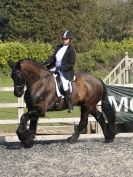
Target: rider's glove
x=57, y=69
x=45, y=63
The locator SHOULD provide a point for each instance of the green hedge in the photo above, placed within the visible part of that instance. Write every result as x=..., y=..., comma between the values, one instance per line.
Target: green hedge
x=109, y=52
x=17, y=50
x=105, y=54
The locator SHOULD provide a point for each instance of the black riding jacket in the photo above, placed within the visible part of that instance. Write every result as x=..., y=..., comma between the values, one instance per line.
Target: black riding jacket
x=67, y=63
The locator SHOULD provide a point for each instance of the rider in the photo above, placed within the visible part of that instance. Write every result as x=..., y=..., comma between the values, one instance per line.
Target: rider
x=63, y=59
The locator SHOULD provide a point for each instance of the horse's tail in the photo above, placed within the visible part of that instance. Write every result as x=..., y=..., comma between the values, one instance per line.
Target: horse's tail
x=108, y=109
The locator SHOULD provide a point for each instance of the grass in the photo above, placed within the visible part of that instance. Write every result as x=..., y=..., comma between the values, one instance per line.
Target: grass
x=8, y=128
x=7, y=97
x=59, y=114
x=5, y=81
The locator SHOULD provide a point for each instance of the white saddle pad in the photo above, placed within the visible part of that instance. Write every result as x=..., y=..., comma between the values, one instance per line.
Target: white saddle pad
x=57, y=89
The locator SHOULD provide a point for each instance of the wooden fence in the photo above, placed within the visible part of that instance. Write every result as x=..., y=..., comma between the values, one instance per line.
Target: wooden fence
x=122, y=73
x=20, y=106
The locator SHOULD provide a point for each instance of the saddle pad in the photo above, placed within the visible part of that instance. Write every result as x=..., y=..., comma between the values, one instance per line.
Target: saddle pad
x=57, y=88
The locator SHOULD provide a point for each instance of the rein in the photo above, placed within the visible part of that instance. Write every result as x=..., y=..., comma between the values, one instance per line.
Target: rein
x=18, y=86
x=39, y=79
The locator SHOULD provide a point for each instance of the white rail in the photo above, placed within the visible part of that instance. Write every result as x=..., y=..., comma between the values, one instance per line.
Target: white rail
x=120, y=74
x=20, y=106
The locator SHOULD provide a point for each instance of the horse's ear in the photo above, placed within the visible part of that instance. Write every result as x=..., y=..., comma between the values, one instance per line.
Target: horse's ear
x=18, y=66
x=11, y=64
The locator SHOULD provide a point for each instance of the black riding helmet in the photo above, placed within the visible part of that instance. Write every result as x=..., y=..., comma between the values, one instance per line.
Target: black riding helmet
x=67, y=35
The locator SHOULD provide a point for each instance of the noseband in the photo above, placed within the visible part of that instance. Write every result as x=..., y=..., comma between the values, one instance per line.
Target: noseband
x=18, y=86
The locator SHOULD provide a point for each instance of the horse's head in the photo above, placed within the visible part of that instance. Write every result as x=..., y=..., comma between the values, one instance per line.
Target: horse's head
x=18, y=78
x=26, y=72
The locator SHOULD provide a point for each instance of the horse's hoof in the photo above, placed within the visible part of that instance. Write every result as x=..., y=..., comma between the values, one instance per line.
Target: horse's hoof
x=23, y=135
x=71, y=140
x=108, y=140
x=28, y=143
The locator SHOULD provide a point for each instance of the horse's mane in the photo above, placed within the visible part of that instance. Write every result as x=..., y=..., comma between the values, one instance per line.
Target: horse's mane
x=32, y=61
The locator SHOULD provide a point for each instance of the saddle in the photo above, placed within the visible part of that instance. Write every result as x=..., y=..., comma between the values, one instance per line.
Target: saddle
x=59, y=86
x=59, y=90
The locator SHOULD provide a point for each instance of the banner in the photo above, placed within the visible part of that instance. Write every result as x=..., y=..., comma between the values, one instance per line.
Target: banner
x=121, y=98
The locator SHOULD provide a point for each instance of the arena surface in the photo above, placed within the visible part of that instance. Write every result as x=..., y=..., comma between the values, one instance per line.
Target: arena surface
x=51, y=156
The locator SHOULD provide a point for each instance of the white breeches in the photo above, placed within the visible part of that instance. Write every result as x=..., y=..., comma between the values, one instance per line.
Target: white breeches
x=65, y=82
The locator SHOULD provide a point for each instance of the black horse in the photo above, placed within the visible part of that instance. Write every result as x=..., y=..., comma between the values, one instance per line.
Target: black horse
x=40, y=96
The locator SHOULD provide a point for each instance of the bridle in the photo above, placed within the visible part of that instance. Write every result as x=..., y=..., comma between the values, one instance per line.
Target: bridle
x=23, y=85
x=19, y=86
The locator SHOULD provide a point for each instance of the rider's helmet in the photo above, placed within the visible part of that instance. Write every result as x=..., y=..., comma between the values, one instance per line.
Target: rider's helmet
x=67, y=35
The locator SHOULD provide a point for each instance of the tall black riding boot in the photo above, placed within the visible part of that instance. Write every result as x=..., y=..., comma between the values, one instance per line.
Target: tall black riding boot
x=68, y=100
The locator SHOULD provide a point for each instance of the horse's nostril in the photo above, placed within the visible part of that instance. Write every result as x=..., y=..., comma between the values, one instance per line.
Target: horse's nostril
x=18, y=93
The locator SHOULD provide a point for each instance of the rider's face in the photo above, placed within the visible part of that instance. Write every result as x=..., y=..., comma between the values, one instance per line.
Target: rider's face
x=66, y=41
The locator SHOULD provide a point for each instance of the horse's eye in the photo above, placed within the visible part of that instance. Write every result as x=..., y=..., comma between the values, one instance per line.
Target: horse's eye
x=18, y=71
x=13, y=73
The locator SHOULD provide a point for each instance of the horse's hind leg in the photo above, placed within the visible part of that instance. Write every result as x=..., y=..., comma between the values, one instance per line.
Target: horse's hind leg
x=110, y=114
x=82, y=124
x=101, y=120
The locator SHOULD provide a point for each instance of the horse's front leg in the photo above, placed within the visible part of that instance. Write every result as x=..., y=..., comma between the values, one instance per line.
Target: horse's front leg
x=32, y=131
x=22, y=131
x=26, y=136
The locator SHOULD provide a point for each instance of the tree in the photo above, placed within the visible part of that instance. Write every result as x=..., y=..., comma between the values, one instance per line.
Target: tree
x=46, y=20
x=4, y=22
x=115, y=19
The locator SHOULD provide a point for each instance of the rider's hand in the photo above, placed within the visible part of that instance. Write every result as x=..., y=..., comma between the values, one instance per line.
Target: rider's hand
x=45, y=63
x=57, y=70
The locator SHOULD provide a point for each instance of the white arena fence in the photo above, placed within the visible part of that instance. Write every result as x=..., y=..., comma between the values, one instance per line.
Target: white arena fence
x=20, y=106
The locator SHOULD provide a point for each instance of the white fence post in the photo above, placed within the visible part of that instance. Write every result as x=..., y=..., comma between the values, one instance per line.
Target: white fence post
x=20, y=107
x=120, y=74
x=127, y=70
